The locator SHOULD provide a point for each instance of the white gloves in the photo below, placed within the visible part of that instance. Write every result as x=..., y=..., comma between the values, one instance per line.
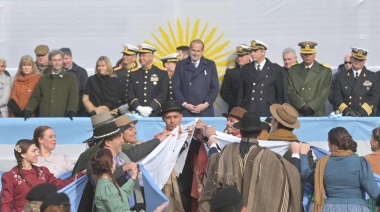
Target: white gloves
x=144, y=111
x=123, y=108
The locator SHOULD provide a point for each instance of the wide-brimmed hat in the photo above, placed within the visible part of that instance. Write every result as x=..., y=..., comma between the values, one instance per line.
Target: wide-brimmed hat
x=236, y=112
x=101, y=118
x=104, y=131
x=169, y=106
x=285, y=114
x=250, y=122
x=98, y=120
x=123, y=121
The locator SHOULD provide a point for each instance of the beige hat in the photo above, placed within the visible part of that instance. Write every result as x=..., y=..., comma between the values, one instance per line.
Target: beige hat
x=285, y=114
x=124, y=120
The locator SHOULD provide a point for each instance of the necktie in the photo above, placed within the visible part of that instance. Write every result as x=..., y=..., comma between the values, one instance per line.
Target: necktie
x=307, y=70
x=356, y=75
x=258, y=68
x=195, y=64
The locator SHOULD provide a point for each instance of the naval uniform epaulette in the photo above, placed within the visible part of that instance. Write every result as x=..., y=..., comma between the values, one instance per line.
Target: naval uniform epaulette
x=117, y=68
x=163, y=69
x=326, y=65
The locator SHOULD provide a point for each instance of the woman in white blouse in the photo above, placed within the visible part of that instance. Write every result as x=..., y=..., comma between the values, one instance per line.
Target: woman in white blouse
x=45, y=140
x=5, y=89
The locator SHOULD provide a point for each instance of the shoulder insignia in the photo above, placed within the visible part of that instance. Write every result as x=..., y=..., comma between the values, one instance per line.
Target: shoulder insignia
x=117, y=68
x=294, y=64
x=231, y=67
x=163, y=69
x=325, y=65
x=135, y=69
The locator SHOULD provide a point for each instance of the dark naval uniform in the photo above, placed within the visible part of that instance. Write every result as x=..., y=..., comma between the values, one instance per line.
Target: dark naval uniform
x=311, y=87
x=361, y=95
x=122, y=74
x=262, y=88
x=170, y=90
x=148, y=87
x=230, y=86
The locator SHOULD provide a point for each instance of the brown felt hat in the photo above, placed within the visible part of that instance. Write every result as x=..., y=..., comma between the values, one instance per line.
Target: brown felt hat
x=236, y=112
x=285, y=114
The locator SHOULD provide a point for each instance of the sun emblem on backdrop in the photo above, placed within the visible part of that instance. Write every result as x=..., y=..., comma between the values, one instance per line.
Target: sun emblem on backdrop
x=180, y=34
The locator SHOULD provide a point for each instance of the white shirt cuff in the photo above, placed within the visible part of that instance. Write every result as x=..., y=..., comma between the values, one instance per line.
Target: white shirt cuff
x=213, y=145
x=296, y=156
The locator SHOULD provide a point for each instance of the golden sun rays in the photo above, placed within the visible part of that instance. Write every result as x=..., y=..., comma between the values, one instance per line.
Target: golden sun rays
x=216, y=49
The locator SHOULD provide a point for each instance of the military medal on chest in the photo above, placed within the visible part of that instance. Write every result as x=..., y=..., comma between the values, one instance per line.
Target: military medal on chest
x=154, y=79
x=367, y=84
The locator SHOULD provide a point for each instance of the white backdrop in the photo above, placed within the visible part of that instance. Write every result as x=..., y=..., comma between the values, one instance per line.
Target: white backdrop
x=92, y=28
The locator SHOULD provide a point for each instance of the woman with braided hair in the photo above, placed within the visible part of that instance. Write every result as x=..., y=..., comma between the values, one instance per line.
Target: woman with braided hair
x=342, y=177
x=108, y=195
x=21, y=178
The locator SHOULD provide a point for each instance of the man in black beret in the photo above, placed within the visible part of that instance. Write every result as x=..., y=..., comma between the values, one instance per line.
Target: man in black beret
x=59, y=199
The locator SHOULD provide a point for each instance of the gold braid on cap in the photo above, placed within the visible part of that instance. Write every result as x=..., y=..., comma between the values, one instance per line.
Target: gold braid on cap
x=18, y=148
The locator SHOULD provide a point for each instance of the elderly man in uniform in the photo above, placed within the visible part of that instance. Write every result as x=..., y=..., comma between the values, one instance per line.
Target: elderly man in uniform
x=262, y=82
x=357, y=91
x=122, y=72
x=42, y=61
x=195, y=83
x=56, y=93
x=169, y=62
x=232, y=78
x=148, y=87
x=309, y=83
x=290, y=58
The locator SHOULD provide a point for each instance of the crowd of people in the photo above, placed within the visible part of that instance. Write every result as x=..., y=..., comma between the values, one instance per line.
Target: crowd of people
x=264, y=179
x=254, y=83
x=187, y=86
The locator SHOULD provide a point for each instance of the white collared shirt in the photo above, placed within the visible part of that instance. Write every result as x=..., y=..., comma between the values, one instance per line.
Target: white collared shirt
x=310, y=65
x=196, y=63
x=359, y=72
x=261, y=65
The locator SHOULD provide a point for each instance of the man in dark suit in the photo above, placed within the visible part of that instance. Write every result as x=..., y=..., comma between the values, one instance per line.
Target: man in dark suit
x=148, y=87
x=309, y=83
x=262, y=82
x=80, y=74
x=357, y=91
x=195, y=82
x=232, y=78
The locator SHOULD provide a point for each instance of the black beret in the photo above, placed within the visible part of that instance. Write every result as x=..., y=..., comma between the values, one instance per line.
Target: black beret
x=39, y=192
x=55, y=199
x=225, y=198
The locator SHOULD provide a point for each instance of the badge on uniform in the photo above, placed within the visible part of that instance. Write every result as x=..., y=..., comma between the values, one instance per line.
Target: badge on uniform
x=367, y=84
x=154, y=79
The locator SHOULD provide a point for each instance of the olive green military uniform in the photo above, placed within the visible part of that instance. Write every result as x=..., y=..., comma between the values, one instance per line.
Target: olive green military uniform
x=311, y=87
